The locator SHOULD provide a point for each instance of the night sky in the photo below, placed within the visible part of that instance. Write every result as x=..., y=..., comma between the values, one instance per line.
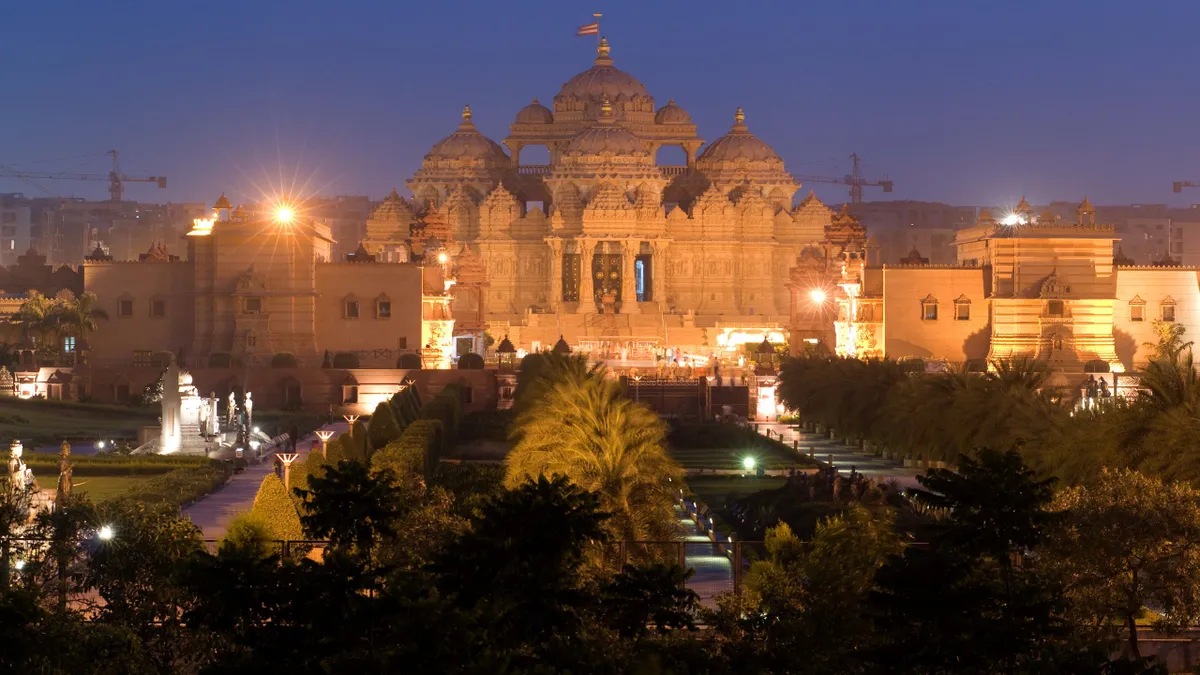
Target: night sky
x=964, y=101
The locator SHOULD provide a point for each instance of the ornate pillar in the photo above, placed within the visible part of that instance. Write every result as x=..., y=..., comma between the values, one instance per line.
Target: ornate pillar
x=658, y=272
x=556, y=273
x=629, y=251
x=587, y=277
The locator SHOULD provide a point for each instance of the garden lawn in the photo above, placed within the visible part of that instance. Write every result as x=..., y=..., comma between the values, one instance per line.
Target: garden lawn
x=101, y=488
x=714, y=491
x=724, y=446
x=40, y=423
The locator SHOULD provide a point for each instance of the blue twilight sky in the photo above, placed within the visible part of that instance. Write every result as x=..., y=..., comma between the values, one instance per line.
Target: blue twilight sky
x=963, y=101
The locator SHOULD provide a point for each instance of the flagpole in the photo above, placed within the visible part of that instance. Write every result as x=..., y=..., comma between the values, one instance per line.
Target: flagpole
x=597, y=16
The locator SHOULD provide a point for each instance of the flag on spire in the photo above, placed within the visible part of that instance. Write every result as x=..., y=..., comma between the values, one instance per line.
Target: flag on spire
x=588, y=29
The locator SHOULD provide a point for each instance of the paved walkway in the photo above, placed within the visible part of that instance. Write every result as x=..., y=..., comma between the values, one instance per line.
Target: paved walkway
x=844, y=457
x=713, y=570
x=213, y=512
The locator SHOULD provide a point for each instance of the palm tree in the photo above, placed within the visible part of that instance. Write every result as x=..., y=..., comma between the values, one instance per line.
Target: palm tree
x=79, y=316
x=585, y=428
x=38, y=317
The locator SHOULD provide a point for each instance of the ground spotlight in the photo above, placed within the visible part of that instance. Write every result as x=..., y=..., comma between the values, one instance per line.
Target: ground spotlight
x=748, y=463
x=106, y=533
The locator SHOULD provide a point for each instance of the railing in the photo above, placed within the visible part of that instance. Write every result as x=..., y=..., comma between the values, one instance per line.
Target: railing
x=670, y=171
x=533, y=170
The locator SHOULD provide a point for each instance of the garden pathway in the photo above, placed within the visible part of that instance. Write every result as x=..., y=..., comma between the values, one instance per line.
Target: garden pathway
x=713, y=570
x=844, y=457
x=213, y=512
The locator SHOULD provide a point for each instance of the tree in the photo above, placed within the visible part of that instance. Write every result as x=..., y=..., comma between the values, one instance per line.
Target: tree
x=137, y=574
x=651, y=596
x=72, y=517
x=1127, y=542
x=518, y=563
x=79, y=316
x=353, y=507
x=249, y=531
x=586, y=429
x=962, y=605
x=38, y=319
x=1170, y=345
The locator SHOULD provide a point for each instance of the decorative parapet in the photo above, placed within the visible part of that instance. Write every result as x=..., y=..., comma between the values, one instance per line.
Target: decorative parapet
x=943, y=266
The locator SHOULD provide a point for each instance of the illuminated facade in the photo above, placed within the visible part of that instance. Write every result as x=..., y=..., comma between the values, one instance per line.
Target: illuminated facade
x=1024, y=286
x=623, y=257
x=260, y=291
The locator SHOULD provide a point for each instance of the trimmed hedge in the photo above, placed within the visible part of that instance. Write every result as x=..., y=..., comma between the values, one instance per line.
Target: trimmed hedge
x=181, y=486
x=384, y=427
x=446, y=408
x=274, y=507
x=414, y=451
x=164, y=462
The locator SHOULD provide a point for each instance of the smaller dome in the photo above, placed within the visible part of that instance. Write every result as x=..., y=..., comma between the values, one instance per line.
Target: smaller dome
x=672, y=114
x=535, y=113
x=223, y=202
x=605, y=137
x=467, y=142
x=394, y=207
x=739, y=143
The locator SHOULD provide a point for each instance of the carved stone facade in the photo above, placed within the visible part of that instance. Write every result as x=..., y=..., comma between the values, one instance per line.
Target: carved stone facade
x=602, y=245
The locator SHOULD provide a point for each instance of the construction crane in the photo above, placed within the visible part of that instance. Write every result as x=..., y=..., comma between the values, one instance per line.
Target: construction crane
x=116, y=179
x=854, y=179
x=1178, y=185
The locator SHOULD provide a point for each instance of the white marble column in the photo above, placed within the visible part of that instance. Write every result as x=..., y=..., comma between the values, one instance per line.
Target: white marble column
x=587, y=279
x=629, y=251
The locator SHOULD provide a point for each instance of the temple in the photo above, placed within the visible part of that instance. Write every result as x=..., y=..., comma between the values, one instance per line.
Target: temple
x=603, y=247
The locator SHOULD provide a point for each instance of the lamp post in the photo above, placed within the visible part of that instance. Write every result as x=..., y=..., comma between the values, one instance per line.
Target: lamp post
x=324, y=435
x=351, y=419
x=636, y=379
x=286, y=459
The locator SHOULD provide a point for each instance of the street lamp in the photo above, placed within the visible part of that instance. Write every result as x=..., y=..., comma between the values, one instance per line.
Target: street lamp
x=636, y=379
x=324, y=435
x=351, y=419
x=106, y=533
x=286, y=458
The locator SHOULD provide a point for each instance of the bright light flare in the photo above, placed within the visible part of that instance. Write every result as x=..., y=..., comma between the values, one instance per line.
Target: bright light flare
x=817, y=295
x=443, y=258
x=106, y=533
x=284, y=214
x=748, y=463
x=1011, y=220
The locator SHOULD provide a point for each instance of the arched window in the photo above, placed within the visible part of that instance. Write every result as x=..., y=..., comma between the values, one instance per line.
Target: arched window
x=1137, y=310
x=962, y=308
x=929, y=308
x=350, y=307
x=1167, y=310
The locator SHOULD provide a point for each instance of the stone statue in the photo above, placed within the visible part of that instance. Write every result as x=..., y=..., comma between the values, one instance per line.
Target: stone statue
x=232, y=410
x=64, y=473
x=20, y=477
x=249, y=405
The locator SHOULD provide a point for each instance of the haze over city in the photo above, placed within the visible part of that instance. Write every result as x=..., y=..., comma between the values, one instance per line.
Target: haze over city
x=956, y=102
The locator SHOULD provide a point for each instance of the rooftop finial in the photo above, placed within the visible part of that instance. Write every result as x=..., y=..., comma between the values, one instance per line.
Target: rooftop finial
x=602, y=49
x=606, y=109
x=466, y=113
x=739, y=117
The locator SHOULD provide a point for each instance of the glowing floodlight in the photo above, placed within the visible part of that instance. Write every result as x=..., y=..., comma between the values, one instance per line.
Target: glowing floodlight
x=443, y=258
x=284, y=214
x=748, y=463
x=817, y=295
x=1011, y=219
x=106, y=533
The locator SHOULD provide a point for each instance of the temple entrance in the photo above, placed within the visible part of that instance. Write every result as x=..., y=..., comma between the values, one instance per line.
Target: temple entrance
x=606, y=270
x=570, y=277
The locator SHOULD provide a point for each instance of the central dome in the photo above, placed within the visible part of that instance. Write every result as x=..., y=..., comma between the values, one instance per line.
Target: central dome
x=603, y=81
